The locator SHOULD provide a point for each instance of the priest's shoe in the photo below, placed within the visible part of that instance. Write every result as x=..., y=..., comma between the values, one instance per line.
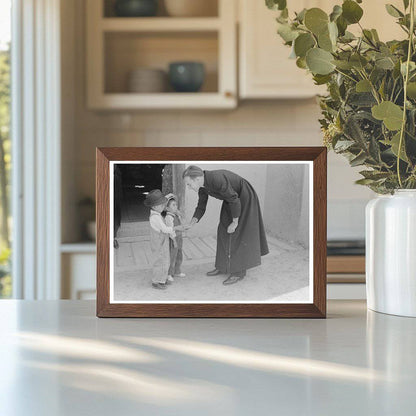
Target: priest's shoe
x=214, y=272
x=234, y=278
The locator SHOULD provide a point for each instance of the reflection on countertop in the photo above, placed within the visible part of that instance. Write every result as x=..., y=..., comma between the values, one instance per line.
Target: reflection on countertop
x=63, y=360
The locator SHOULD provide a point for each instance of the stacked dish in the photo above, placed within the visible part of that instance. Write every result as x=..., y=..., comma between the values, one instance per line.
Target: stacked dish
x=147, y=80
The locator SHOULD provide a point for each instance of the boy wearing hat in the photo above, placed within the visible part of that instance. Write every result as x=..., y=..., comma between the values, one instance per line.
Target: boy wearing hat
x=173, y=219
x=159, y=238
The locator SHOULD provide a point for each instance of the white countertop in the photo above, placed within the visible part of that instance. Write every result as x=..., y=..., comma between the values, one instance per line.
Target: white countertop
x=57, y=359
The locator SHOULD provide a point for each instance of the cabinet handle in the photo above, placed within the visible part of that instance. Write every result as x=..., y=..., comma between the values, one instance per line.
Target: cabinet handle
x=228, y=94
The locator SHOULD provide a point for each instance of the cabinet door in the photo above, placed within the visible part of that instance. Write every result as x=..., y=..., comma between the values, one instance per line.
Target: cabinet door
x=265, y=68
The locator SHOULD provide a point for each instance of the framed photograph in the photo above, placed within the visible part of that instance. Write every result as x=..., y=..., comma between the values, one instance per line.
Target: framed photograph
x=211, y=232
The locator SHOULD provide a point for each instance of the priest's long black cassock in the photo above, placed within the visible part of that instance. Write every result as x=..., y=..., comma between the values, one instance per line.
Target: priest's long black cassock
x=248, y=242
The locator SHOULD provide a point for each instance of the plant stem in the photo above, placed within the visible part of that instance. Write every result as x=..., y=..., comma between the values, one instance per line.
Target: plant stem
x=345, y=75
x=373, y=90
x=406, y=79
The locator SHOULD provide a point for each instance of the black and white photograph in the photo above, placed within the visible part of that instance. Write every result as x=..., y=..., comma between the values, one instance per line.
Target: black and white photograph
x=211, y=232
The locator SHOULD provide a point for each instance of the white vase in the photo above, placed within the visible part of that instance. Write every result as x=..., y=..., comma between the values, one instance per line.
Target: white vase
x=391, y=253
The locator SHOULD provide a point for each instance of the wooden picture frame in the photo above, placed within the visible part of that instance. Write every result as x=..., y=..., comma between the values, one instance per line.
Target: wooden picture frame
x=314, y=309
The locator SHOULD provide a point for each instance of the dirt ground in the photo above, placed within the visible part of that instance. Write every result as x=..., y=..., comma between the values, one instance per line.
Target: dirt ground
x=282, y=277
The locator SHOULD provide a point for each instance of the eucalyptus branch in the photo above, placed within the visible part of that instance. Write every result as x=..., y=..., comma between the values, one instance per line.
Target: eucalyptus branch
x=405, y=81
x=355, y=120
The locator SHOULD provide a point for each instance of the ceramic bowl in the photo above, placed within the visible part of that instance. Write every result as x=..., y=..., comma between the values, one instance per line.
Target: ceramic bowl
x=147, y=80
x=135, y=8
x=186, y=76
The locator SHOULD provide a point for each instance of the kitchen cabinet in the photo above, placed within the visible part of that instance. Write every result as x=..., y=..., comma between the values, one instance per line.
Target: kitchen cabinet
x=78, y=271
x=118, y=45
x=265, y=70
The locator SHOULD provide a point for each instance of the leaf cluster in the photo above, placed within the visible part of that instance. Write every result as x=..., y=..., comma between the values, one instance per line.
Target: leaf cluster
x=362, y=113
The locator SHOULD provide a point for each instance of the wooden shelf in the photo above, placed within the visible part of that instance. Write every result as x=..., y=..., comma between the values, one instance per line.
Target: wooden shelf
x=346, y=264
x=81, y=247
x=159, y=24
x=128, y=101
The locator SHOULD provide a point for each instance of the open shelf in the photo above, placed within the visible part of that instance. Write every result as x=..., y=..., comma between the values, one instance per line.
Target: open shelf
x=127, y=51
x=80, y=247
x=130, y=101
x=116, y=46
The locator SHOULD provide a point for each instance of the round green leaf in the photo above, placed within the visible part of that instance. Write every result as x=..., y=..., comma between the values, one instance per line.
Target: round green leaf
x=286, y=32
x=324, y=42
x=319, y=61
x=351, y=11
x=363, y=86
x=411, y=90
x=342, y=25
x=342, y=64
x=316, y=20
x=385, y=63
x=327, y=40
x=276, y=4
x=336, y=12
x=333, y=32
x=358, y=61
x=301, y=63
x=303, y=43
x=391, y=114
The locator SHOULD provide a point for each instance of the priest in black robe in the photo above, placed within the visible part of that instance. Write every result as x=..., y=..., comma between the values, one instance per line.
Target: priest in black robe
x=241, y=238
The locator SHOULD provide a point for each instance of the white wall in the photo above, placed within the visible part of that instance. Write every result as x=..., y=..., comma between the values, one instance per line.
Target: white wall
x=286, y=213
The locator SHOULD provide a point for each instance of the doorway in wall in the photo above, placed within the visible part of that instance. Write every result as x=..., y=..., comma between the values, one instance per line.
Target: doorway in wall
x=137, y=181
x=132, y=183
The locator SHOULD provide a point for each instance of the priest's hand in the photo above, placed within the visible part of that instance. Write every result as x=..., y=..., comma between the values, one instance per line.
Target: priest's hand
x=192, y=223
x=232, y=227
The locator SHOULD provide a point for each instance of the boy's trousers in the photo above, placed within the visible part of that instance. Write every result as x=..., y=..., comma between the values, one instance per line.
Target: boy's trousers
x=176, y=256
x=159, y=245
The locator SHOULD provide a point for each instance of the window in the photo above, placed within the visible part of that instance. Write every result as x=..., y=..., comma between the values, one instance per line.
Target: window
x=5, y=144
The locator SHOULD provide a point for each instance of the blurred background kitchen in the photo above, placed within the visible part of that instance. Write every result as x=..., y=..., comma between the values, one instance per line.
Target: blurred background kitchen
x=145, y=73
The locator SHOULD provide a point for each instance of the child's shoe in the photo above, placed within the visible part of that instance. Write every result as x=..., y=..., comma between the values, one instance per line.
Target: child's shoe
x=180, y=275
x=160, y=286
x=169, y=280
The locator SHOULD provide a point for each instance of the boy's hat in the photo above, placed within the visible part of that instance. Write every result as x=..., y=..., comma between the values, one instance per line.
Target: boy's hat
x=154, y=198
